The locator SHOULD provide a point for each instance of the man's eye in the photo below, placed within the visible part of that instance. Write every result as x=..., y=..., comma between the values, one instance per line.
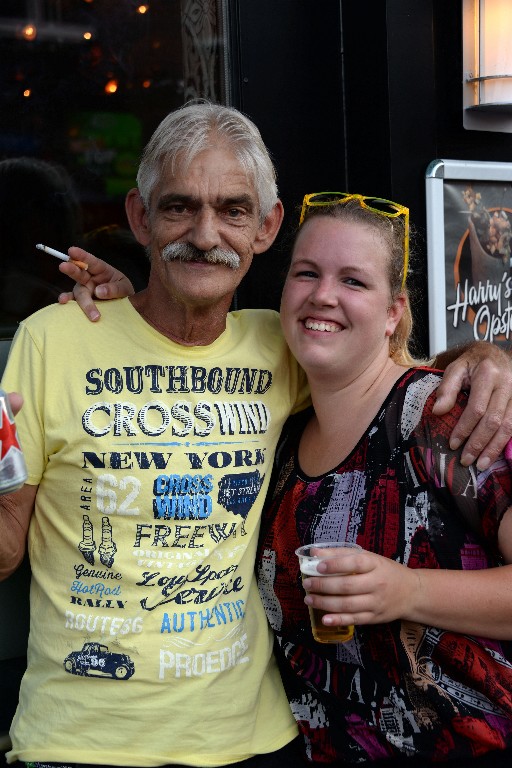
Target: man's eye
x=234, y=213
x=174, y=208
x=306, y=273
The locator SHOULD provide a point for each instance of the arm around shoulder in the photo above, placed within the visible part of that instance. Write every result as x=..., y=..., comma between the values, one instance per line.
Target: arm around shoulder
x=15, y=513
x=99, y=280
x=486, y=423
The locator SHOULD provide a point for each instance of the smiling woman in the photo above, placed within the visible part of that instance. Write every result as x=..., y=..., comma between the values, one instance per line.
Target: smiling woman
x=347, y=269
x=371, y=465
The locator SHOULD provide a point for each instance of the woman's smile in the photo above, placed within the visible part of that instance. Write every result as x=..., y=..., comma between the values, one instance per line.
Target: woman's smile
x=322, y=325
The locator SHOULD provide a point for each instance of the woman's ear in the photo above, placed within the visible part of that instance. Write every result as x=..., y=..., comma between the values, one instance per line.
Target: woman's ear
x=395, y=312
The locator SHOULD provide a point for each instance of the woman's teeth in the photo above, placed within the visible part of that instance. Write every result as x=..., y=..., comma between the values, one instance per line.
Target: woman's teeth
x=315, y=325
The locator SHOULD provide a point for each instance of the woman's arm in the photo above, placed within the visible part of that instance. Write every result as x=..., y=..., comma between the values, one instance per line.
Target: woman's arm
x=375, y=590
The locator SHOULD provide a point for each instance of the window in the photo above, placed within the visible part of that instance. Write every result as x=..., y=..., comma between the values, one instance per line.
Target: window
x=83, y=84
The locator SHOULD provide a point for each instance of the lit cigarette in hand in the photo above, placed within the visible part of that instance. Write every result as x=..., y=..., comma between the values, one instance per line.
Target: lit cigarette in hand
x=61, y=256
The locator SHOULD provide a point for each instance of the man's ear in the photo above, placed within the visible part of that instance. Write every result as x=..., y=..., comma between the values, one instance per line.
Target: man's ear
x=138, y=217
x=267, y=232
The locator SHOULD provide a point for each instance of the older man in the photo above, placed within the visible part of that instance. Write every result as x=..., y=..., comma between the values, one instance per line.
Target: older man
x=149, y=439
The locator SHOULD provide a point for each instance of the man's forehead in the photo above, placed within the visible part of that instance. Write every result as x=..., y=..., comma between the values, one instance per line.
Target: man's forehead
x=216, y=171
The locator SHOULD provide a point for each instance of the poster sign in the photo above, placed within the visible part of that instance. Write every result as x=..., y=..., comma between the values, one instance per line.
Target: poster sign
x=469, y=244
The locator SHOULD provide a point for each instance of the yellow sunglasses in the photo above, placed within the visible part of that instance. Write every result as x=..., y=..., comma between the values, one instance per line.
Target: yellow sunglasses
x=375, y=204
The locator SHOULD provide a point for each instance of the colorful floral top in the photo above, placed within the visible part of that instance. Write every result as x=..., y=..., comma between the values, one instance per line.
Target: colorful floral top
x=397, y=689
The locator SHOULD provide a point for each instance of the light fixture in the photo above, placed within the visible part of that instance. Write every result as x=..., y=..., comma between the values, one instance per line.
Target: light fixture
x=111, y=86
x=487, y=65
x=29, y=32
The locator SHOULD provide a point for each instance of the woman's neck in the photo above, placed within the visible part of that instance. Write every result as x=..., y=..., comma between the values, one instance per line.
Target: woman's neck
x=368, y=387
x=342, y=415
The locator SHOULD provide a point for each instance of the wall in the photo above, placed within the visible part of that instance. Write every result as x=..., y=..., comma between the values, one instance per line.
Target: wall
x=288, y=79
x=403, y=77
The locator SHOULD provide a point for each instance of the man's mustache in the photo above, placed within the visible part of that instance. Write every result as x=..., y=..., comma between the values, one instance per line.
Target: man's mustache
x=188, y=252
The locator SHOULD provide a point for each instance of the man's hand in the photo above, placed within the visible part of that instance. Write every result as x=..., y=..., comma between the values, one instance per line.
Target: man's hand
x=100, y=281
x=15, y=401
x=486, y=370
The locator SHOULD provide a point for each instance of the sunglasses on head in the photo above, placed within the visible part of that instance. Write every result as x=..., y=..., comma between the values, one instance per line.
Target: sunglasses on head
x=376, y=205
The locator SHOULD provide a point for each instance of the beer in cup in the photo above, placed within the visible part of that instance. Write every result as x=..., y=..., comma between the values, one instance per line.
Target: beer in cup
x=310, y=555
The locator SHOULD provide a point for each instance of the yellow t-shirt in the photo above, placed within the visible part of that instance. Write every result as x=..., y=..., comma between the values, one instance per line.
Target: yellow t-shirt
x=149, y=643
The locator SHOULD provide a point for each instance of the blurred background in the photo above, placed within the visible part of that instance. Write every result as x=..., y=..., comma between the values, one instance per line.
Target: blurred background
x=348, y=96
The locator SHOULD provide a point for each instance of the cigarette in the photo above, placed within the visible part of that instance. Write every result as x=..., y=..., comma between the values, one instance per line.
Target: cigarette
x=61, y=256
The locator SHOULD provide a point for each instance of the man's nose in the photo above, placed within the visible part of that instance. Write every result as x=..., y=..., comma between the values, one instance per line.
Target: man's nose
x=204, y=232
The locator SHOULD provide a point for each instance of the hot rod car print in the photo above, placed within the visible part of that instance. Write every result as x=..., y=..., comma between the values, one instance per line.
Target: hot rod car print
x=95, y=660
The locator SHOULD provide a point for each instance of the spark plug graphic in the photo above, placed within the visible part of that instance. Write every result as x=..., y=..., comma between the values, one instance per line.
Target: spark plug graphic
x=107, y=548
x=87, y=546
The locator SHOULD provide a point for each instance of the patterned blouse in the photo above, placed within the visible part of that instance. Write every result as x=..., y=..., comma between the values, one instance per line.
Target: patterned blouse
x=398, y=689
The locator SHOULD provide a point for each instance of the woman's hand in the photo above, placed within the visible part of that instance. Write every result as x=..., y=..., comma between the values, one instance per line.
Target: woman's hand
x=371, y=590
x=100, y=281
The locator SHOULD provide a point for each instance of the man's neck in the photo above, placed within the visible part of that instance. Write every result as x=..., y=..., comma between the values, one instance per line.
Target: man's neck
x=189, y=326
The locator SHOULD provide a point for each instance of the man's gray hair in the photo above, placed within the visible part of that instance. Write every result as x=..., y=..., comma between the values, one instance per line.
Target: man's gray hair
x=200, y=125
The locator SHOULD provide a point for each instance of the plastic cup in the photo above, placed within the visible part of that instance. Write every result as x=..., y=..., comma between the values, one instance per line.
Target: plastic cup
x=310, y=555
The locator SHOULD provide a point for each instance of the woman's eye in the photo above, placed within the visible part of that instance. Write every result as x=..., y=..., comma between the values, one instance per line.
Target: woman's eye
x=306, y=273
